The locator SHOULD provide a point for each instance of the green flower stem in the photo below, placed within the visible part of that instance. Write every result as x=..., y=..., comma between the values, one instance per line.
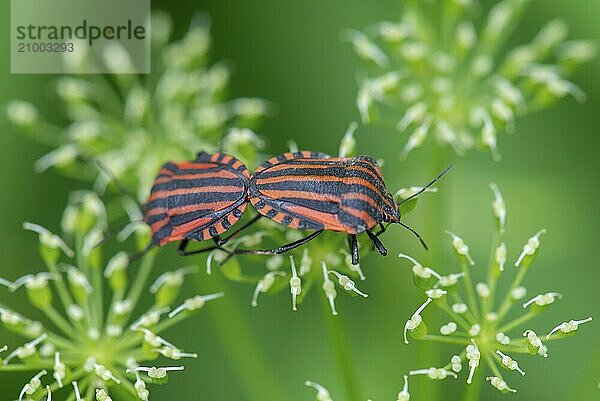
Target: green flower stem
x=468, y=284
x=88, y=307
x=436, y=213
x=142, y=276
x=125, y=383
x=89, y=393
x=493, y=367
x=98, y=297
x=460, y=320
x=508, y=301
x=58, y=320
x=468, y=316
x=492, y=276
x=517, y=322
x=341, y=350
x=59, y=340
x=473, y=390
x=172, y=321
x=61, y=288
x=117, y=297
x=26, y=367
x=444, y=339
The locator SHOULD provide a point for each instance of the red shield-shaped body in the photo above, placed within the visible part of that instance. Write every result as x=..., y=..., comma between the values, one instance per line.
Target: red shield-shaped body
x=312, y=191
x=197, y=200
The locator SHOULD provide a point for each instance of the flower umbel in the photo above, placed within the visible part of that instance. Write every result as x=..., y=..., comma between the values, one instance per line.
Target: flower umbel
x=479, y=322
x=133, y=125
x=451, y=83
x=85, y=346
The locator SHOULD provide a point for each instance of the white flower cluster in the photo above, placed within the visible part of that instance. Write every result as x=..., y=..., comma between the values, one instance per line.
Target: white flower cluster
x=451, y=83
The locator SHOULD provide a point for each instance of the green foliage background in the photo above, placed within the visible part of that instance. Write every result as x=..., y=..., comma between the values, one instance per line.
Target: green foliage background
x=291, y=53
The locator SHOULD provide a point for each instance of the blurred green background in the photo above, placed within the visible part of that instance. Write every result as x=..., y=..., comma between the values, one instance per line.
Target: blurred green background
x=291, y=53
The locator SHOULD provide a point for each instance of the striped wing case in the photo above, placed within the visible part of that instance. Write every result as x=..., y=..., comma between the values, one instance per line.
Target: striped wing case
x=313, y=191
x=197, y=200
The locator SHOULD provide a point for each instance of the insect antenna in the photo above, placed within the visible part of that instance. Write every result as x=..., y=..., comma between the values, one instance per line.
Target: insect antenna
x=139, y=254
x=412, y=230
x=120, y=187
x=429, y=184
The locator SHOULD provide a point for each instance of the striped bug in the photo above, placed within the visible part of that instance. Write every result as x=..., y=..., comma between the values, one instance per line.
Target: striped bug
x=313, y=191
x=197, y=200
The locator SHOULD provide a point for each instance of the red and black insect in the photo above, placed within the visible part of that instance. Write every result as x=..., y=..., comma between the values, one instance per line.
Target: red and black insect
x=197, y=200
x=312, y=191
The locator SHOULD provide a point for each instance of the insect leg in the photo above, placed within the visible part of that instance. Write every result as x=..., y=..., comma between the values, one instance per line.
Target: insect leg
x=377, y=243
x=276, y=251
x=221, y=241
x=184, y=243
x=353, y=244
x=382, y=228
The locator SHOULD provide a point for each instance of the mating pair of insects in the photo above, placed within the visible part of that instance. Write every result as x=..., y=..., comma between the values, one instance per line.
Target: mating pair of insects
x=201, y=199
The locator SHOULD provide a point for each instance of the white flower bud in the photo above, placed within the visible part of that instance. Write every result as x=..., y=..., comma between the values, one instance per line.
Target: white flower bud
x=568, y=327
x=156, y=373
x=473, y=356
x=415, y=320
x=530, y=247
x=26, y=350
x=435, y=293
x=103, y=373
x=392, y=32
x=21, y=113
x=416, y=139
x=450, y=280
x=405, y=193
x=466, y=35
x=433, y=373
x=483, y=290
x=49, y=239
x=140, y=388
x=346, y=283
x=348, y=143
x=33, y=385
x=448, y=329
x=195, y=303
x=543, y=299
x=175, y=353
x=414, y=114
x=499, y=209
x=474, y=330
x=404, y=395
x=460, y=247
x=322, y=392
x=518, y=293
x=102, y=395
x=502, y=338
x=60, y=372
x=75, y=312
x=500, y=384
x=460, y=308
x=535, y=343
x=509, y=362
x=456, y=363
x=264, y=285
x=419, y=270
x=295, y=284
x=60, y=157
x=491, y=317
x=329, y=289
x=366, y=49
x=414, y=51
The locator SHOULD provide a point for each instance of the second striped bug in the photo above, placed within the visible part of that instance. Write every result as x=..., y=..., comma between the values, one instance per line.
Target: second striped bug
x=316, y=192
